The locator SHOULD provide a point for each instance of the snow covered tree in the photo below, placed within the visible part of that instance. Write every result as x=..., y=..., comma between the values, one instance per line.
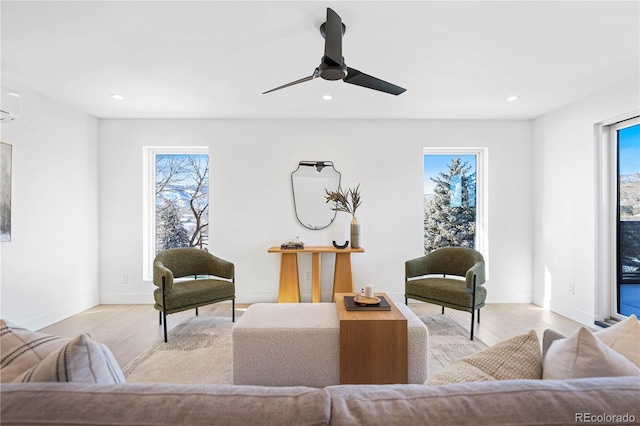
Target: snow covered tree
x=171, y=233
x=198, y=196
x=450, y=217
x=182, y=197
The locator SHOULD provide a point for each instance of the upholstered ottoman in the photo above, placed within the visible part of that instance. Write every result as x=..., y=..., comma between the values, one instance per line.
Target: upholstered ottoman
x=287, y=344
x=418, y=342
x=298, y=344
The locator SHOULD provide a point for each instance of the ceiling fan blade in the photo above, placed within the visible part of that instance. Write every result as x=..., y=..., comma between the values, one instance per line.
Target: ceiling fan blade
x=333, y=37
x=302, y=80
x=361, y=79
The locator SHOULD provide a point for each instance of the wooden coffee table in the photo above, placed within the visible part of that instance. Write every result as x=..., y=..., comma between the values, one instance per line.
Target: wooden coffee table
x=373, y=344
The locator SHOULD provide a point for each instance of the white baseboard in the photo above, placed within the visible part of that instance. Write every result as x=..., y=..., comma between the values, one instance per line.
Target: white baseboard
x=147, y=298
x=126, y=299
x=272, y=297
x=325, y=297
x=60, y=313
x=509, y=297
x=583, y=317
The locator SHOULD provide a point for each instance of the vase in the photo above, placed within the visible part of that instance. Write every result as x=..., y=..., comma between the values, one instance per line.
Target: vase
x=355, y=233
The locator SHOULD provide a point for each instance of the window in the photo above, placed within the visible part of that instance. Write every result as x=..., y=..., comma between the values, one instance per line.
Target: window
x=626, y=138
x=453, y=198
x=176, y=200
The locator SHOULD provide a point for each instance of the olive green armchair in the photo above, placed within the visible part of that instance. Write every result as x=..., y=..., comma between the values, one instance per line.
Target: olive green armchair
x=449, y=276
x=213, y=281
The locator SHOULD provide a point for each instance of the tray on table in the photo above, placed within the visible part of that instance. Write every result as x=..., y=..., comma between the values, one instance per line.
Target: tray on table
x=353, y=305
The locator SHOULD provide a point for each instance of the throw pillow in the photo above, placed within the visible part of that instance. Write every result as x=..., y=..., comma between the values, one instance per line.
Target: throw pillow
x=624, y=338
x=584, y=355
x=21, y=349
x=81, y=360
x=548, y=337
x=517, y=358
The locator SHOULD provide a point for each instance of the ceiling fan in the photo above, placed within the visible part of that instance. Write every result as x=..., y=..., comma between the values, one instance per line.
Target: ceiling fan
x=333, y=67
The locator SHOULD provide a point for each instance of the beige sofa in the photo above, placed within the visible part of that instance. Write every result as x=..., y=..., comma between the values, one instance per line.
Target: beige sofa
x=509, y=402
x=56, y=381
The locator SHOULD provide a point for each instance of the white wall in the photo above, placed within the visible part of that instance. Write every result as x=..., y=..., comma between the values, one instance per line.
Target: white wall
x=49, y=270
x=565, y=194
x=252, y=207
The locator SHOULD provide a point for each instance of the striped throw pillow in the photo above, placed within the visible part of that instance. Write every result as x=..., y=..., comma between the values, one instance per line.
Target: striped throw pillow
x=82, y=360
x=21, y=349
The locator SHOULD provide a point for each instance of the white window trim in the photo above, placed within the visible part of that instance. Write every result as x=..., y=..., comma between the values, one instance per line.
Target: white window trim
x=149, y=199
x=606, y=296
x=482, y=193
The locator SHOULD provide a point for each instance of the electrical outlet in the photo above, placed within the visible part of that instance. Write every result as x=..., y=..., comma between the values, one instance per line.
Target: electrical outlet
x=125, y=279
x=307, y=276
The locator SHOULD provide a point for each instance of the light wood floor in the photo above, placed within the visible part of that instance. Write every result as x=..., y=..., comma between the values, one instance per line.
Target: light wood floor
x=130, y=329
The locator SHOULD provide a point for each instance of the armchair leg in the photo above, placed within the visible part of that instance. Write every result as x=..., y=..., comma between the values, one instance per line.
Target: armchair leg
x=473, y=311
x=233, y=310
x=165, y=326
x=160, y=315
x=443, y=310
x=196, y=311
x=164, y=309
x=473, y=306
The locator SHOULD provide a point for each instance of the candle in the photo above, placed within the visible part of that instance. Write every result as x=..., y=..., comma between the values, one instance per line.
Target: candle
x=368, y=290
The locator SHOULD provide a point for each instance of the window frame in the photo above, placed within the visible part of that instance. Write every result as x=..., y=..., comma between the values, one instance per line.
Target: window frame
x=482, y=192
x=613, y=137
x=149, y=198
x=606, y=149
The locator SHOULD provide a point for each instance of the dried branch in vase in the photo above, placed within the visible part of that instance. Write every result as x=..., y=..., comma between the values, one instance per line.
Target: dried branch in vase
x=345, y=201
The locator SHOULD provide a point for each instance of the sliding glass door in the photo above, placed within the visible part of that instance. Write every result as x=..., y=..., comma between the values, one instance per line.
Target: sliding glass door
x=627, y=137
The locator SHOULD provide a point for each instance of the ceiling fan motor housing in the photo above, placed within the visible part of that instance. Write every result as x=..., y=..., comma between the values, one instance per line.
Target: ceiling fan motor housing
x=329, y=70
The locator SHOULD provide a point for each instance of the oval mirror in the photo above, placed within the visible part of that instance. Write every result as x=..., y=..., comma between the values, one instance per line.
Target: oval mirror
x=310, y=181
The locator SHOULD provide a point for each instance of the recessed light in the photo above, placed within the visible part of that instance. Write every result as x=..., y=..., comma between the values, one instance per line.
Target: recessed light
x=15, y=95
x=327, y=97
x=513, y=98
x=117, y=97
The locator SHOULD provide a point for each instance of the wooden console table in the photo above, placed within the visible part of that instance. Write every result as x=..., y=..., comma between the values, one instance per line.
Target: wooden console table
x=373, y=345
x=289, y=290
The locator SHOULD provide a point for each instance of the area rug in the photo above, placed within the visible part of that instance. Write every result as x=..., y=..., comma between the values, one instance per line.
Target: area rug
x=199, y=351
x=448, y=341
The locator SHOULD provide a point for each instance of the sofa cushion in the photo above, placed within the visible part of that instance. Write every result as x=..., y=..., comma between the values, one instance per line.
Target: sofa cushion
x=508, y=402
x=21, y=349
x=516, y=358
x=624, y=338
x=80, y=360
x=583, y=355
x=162, y=404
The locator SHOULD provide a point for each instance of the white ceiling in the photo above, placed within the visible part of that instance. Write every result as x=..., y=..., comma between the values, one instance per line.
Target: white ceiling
x=212, y=59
